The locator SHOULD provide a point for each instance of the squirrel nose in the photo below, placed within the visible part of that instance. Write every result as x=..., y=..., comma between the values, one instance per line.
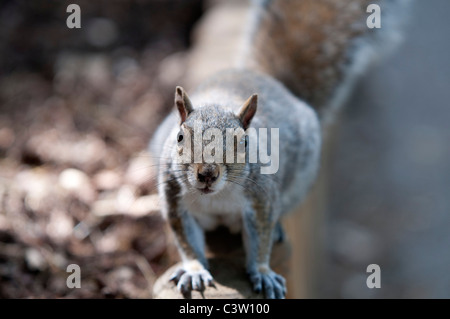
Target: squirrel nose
x=208, y=176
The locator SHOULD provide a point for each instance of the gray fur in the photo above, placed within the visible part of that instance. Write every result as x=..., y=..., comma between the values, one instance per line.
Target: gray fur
x=242, y=198
x=258, y=201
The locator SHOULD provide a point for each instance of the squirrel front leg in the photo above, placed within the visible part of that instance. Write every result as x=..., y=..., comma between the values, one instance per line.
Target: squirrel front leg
x=191, y=245
x=258, y=238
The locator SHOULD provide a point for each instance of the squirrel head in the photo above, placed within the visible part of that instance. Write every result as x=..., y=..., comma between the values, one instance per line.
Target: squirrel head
x=211, y=144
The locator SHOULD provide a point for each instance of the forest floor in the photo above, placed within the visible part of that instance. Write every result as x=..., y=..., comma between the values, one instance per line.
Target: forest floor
x=76, y=114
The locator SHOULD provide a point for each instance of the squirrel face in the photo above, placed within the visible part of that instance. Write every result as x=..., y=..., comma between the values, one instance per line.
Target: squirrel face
x=211, y=145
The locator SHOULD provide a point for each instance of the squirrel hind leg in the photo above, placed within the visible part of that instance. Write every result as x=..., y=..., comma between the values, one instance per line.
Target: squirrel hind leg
x=279, y=235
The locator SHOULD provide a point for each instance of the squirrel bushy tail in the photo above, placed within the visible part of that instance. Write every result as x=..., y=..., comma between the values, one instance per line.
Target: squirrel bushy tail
x=301, y=54
x=316, y=48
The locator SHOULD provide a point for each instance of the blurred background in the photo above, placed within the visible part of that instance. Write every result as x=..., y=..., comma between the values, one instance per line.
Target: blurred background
x=389, y=191
x=78, y=106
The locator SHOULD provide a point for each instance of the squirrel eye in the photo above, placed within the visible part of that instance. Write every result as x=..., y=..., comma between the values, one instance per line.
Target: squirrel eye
x=180, y=137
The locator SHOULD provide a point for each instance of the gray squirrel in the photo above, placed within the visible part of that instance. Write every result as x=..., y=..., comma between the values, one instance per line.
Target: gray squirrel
x=302, y=59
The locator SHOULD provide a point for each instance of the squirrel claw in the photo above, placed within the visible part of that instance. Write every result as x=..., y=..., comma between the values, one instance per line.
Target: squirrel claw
x=274, y=285
x=177, y=275
x=212, y=284
x=187, y=281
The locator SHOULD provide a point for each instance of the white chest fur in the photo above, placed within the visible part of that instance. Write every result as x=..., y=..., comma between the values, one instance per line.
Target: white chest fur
x=211, y=210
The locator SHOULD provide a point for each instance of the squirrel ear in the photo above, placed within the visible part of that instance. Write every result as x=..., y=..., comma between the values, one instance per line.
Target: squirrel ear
x=183, y=103
x=248, y=110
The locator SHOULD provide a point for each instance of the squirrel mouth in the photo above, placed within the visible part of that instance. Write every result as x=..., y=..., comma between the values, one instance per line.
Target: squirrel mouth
x=206, y=190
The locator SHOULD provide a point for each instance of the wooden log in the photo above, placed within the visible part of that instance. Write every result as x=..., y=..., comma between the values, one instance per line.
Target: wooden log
x=227, y=265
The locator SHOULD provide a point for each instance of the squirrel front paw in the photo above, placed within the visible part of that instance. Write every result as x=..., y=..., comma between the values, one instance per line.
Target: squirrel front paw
x=274, y=285
x=188, y=280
